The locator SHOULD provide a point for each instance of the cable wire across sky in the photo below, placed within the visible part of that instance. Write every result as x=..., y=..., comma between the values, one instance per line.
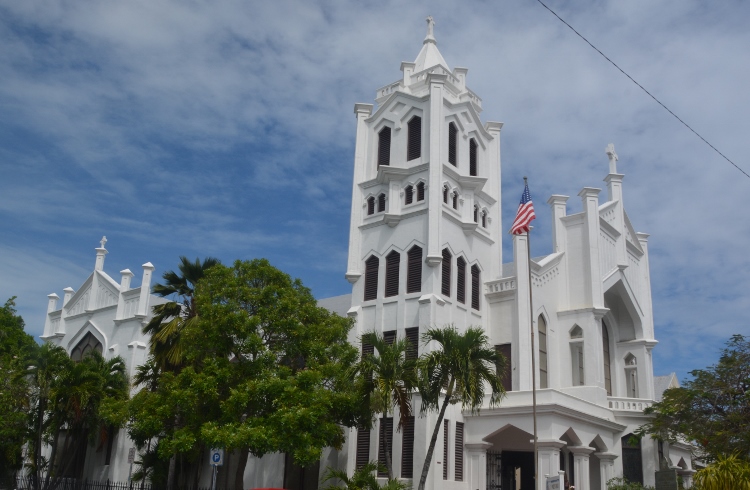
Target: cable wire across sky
x=644, y=89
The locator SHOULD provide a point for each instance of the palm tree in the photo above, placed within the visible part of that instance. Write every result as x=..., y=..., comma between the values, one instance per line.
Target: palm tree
x=171, y=318
x=457, y=371
x=391, y=379
x=362, y=479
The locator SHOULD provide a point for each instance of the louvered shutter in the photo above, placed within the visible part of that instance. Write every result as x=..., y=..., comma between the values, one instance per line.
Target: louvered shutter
x=371, y=278
x=420, y=191
x=363, y=447
x=446, y=429
x=392, y=262
x=461, y=280
x=446, y=273
x=384, y=146
x=472, y=157
x=476, y=213
x=370, y=205
x=381, y=203
x=455, y=200
x=386, y=433
x=445, y=194
x=506, y=376
x=407, y=448
x=389, y=337
x=414, y=145
x=412, y=343
x=408, y=194
x=452, y=143
x=475, y=287
x=414, y=270
x=458, y=467
x=484, y=219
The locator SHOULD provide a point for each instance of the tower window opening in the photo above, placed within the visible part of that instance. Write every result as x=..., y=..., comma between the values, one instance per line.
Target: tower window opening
x=461, y=280
x=420, y=191
x=476, y=213
x=414, y=270
x=414, y=144
x=408, y=194
x=484, y=219
x=392, y=263
x=542, y=328
x=384, y=146
x=371, y=277
x=446, y=273
x=381, y=203
x=606, y=360
x=452, y=143
x=472, y=157
x=475, y=287
x=455, y=199
x=370, y=205
x=445, y=194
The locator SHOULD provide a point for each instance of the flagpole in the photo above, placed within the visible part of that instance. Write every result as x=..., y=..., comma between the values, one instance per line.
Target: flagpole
x=533, y=354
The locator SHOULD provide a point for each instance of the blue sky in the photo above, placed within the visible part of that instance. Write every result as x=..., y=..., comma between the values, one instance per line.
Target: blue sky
x=225, y=128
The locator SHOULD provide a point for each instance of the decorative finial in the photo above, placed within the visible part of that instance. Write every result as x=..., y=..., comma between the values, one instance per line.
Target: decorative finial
x=610, y=150
x=525, y=180
x=430, y=30
x=103, y=241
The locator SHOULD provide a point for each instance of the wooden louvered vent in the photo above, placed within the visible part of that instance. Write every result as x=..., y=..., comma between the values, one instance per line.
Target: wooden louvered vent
x=392, y=262
x=475, y=287
x=446, y=429
x=414, y=270
x=420, y=191
x=455, y=200
x=414, y=145
x=445, y=194
x=370, y=205
x=446, y=273
x=381, y=203
x=384, y=146
x=408, y=194
x=412, y=343
x=389, y=337
x=363, y=447
x=371, y=278
x=461, y=280
x=452, y=143
x=458, y=467
x=472, y=157
x=386, y=434
x=407, y=448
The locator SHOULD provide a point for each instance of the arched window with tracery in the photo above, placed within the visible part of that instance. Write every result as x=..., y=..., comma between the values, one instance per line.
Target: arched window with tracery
x=384, y=146
x=542, y=329
x=87, y=345
x=631, y=376
x=576, y=356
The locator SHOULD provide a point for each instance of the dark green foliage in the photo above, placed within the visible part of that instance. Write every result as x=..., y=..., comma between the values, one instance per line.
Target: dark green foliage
x=713, y=409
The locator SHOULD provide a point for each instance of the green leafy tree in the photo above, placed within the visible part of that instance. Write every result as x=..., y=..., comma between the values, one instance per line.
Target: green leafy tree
x=16, y=348
x=457, y=372
x=713, y=409
x=390, y=379
x=279, y=366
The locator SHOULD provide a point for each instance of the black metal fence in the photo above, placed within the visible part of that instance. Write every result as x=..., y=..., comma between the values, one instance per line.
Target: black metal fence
x=26, y=483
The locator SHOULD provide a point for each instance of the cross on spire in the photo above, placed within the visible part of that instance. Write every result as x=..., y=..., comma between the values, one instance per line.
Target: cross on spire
x=430, y=30
x=103, y=241
x=610, y=150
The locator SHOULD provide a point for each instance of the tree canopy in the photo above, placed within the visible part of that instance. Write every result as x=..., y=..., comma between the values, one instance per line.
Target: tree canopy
x=712, y=410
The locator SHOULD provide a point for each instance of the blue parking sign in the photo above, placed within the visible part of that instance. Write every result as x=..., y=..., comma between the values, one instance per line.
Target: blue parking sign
x=217, y=457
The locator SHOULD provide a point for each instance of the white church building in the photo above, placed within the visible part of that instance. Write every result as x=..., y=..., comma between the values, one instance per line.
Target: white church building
x=425, y=249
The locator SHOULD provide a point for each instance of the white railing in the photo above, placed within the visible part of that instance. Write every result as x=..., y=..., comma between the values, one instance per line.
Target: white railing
x=506, y=284
x=629, y=404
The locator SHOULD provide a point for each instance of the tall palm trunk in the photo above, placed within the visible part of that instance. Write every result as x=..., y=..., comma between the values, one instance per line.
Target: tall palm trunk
x=170, y=474
x=433, y=440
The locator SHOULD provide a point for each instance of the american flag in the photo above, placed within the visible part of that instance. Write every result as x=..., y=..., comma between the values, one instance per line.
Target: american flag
x=525, y=213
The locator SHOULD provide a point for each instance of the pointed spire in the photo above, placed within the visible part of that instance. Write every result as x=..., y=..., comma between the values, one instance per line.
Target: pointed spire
x=429, y=56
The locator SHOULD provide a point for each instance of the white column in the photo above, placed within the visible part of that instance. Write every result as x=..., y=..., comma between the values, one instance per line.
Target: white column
x=148, y=270
x=475, y=472
x=100, y=253
x=590, y=200
x=51, y=306
x=581, y=465
x=522, y=333
x=434, y=155
x=354, y=267
x=548, y=460
x=69, y=292
x=606, y=467
x=493, y=188
x=124, y=286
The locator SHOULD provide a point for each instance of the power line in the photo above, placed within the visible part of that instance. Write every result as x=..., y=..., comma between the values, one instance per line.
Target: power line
x=644, y=89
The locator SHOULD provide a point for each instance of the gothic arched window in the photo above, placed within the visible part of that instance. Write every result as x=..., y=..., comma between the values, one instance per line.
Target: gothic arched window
x=370, y=205
x=408, y=194
x=414, y=144
x=476, y=214
x=461, y=280
x=371, y=277
x=452, y=143
x=631, y=376
x=455, y=199
x=420, y=191
x=384, y=146
x=542, y=329
x=446, y=273
x=392, y=263
x=381, y=203
x=88, y=344
x=576, y=355
x=484, y=219
x=475, y=287
x=446, y=191
x=472, y=157
x=414, y=270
